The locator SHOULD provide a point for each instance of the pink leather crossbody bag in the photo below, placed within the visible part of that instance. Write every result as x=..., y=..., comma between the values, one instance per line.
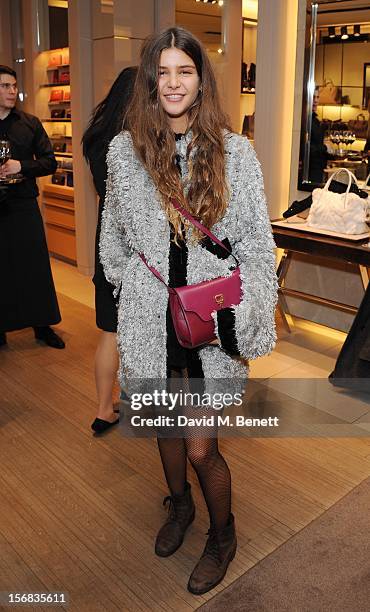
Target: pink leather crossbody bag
x=192, y=305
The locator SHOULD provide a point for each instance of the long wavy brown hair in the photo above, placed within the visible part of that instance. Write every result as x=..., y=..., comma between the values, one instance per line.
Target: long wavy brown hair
x=154, y=140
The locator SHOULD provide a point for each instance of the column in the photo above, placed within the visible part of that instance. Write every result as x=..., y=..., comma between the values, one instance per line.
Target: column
x=275, y=88
x=119, y=29
x=228, y=66
x=82, y=103
x=165, y=14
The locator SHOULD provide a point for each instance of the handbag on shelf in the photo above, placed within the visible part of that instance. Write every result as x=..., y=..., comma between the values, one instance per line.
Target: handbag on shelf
x=59, y=147
x=359, y=126
x=192, y=306
x=56, y=95
x=345, y=213
x=58, y=179
x=58, y=113
x=329, y=93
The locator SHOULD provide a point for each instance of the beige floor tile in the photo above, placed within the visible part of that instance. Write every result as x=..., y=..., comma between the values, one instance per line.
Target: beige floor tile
x=264, y=367
x=309, y=357
x=303, y=370
x=70, y=282
x=309, y=384
x=334, y=351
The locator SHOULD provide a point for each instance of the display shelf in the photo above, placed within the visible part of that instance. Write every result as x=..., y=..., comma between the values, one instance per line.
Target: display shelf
x=61, y=191
x=60, y=103
x=344, y=106
x=49, y=68
x=55, y=84
x=57, y=201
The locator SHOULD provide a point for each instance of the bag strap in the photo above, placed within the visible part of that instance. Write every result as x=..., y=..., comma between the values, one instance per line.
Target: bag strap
x=154, y=271
x=196, y=224
x=350, y=176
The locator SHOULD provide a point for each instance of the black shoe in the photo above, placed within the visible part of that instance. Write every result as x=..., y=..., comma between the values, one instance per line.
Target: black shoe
x=3, y=341
x=100, y=426
x=297, y=207
x=48, y=335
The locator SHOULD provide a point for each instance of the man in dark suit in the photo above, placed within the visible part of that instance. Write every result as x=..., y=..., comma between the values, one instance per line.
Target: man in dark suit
x=27, y=293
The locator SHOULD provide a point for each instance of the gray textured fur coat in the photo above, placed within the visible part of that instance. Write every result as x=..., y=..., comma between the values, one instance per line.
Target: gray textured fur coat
x=134, y=222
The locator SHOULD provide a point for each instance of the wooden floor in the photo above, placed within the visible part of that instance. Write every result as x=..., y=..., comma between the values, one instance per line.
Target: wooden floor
x=79, y=514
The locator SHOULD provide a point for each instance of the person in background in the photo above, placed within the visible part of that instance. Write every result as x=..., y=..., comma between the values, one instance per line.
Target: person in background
x=105, y=123
x=177, y=144
x=318, y=150
x=27, y=296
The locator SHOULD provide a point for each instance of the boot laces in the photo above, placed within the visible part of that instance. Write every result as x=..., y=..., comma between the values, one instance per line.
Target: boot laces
x=171, y=507
x=212, y=549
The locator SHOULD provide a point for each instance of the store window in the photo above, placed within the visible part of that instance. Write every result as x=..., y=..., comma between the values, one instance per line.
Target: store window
x=335, y=115
x=249, y=67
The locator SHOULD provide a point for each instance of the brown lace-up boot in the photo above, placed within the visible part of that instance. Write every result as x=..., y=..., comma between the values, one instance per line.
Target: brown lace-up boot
x=212, y=566
x=180, y=515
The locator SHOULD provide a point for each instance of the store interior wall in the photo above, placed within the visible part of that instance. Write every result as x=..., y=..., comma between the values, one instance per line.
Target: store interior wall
x=6, y=56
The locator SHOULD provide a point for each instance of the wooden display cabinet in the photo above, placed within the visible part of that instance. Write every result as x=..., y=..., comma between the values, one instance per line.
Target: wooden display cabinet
x=53, y=104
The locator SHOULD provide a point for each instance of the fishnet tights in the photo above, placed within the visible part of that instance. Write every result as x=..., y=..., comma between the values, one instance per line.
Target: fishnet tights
x=210, y=466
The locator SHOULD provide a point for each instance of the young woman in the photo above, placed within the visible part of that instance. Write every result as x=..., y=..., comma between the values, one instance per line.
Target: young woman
x=105, y=123
x=177, y=144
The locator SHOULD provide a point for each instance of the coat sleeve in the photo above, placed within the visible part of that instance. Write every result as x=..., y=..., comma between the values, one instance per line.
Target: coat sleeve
x=255, y=315
x=113, y=246
x=44, y=161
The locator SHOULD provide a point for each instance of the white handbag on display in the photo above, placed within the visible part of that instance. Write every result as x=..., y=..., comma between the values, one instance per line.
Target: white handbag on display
x=345, y=213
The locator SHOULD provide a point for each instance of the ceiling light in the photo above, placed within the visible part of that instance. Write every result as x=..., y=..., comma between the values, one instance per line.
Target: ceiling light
x=331, y=32
x=357, y=30
x=344, y=33
x=220, y=2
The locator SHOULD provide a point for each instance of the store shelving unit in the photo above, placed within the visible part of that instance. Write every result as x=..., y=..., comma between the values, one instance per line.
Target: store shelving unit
x=53, y=103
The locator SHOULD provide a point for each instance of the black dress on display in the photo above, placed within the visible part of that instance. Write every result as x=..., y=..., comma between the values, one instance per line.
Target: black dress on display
x=352, y=369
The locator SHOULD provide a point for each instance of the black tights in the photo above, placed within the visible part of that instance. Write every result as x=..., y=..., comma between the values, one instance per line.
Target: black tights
x=210, y=466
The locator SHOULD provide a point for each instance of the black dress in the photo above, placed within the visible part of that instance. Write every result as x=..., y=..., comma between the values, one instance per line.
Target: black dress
x=105, y=303
x=27, y=293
